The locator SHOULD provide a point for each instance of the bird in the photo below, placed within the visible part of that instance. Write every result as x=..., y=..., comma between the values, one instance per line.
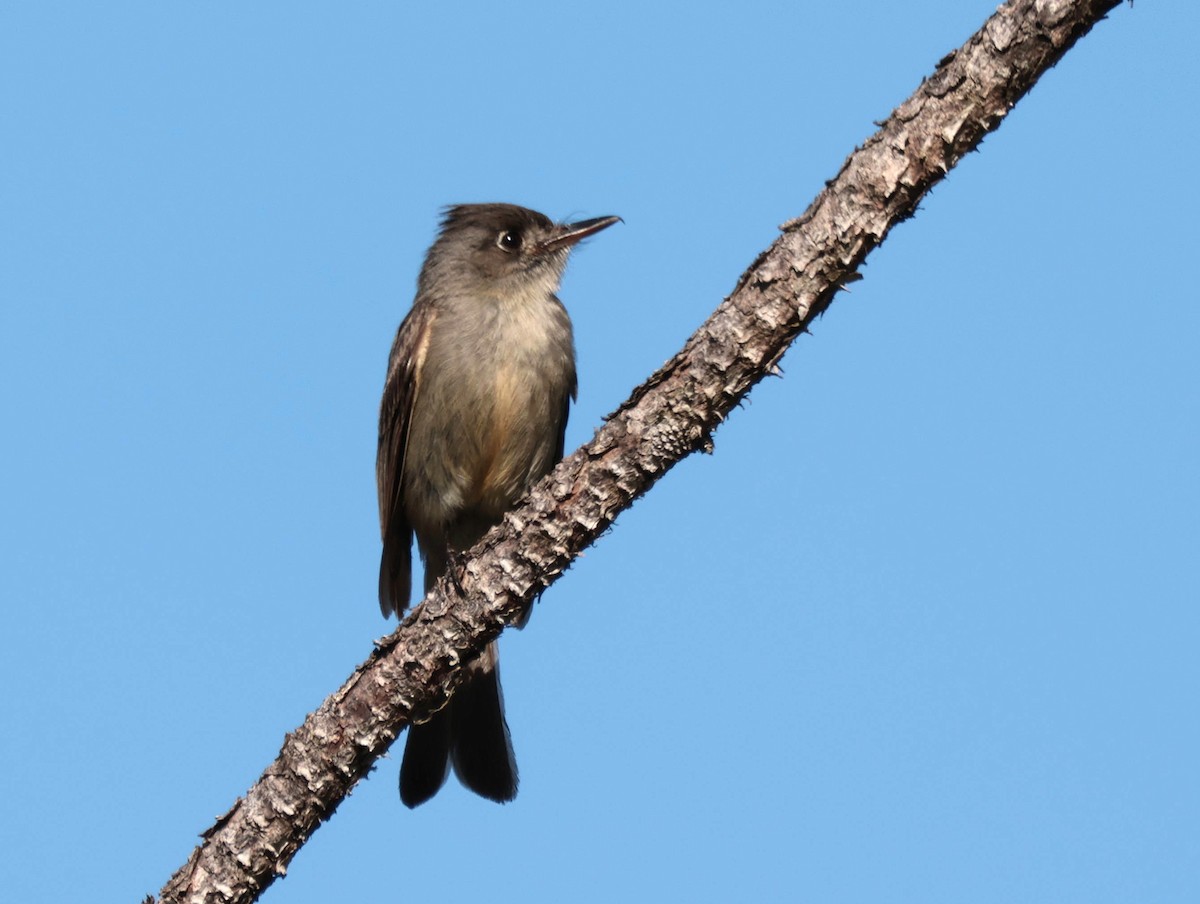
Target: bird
x=474, y=411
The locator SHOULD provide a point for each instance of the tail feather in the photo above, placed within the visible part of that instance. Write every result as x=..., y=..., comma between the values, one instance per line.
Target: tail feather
x=480, y=745
x=426, y=760
x=471, y=733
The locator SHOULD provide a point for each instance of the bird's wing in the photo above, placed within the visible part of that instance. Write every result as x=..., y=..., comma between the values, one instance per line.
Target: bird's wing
x=395, y=415
x=572, y=389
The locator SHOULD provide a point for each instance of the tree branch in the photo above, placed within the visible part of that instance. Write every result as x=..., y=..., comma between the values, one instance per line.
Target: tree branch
x=412, y=672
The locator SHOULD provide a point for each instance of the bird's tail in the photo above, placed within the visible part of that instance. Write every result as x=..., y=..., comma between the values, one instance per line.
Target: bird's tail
x=471, y=732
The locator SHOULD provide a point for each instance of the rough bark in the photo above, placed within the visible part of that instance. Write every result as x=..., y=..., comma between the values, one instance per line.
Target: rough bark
x=413, y=671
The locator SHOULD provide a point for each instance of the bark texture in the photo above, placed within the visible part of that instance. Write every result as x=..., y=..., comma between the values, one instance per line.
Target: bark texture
x=412, y=672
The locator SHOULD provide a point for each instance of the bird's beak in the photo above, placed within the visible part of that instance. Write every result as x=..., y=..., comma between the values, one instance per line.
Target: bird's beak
x=568, y=234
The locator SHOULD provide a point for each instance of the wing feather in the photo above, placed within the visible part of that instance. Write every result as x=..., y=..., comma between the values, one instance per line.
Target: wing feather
x=395, y=416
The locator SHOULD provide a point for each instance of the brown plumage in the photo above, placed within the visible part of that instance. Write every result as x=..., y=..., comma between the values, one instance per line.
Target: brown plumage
x=474, y=409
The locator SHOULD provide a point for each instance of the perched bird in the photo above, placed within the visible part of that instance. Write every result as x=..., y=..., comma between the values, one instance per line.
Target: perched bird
x=479, y=380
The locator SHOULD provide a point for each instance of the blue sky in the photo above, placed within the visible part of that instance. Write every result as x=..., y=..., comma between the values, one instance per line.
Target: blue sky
x=924, y=627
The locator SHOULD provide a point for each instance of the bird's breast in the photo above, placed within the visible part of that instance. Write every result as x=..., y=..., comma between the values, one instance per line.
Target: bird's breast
x=490, y=410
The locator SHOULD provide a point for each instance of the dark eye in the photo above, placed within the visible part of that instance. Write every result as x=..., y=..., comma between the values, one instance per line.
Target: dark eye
x=509, y=240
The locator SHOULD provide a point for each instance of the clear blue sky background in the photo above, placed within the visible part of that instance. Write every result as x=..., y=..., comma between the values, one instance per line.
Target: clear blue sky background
x=924, y=628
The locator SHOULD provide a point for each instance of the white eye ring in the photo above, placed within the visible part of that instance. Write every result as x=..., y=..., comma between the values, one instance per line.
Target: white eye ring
x=509, y=240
